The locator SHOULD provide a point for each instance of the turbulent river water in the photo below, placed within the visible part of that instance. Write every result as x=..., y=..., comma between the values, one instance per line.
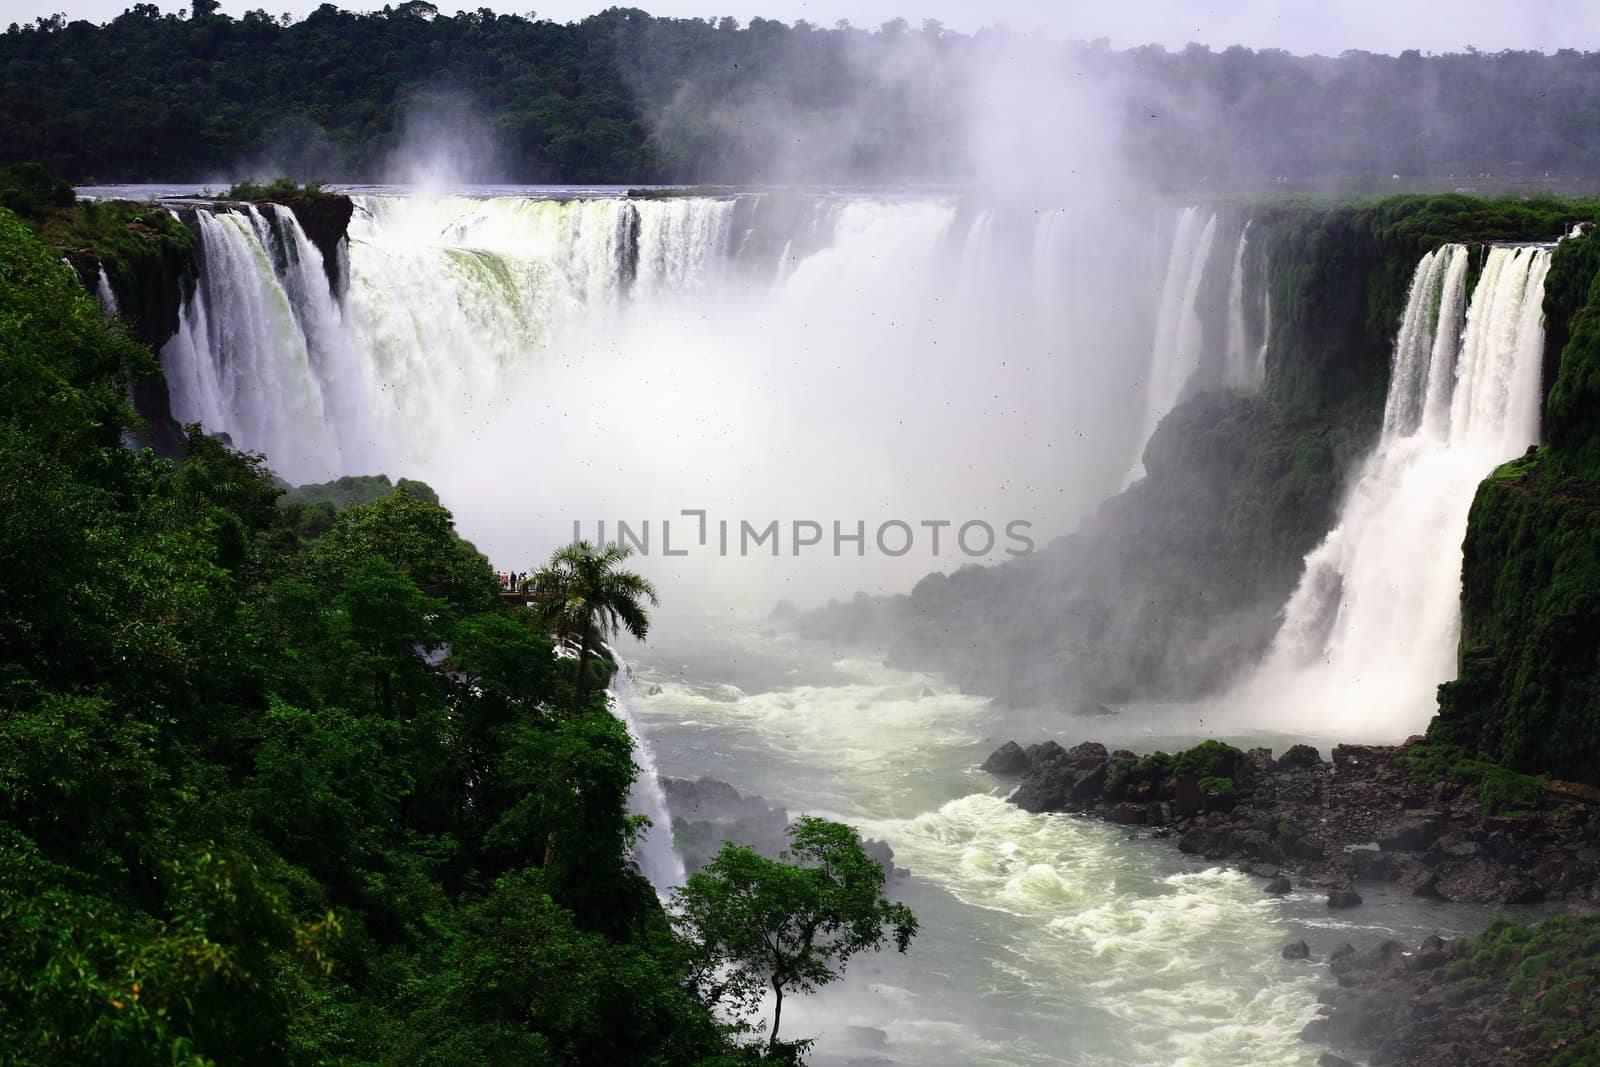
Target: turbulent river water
x=552, y=357
x=1045, y=939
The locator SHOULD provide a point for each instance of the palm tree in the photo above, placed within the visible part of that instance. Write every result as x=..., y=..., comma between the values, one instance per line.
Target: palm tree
x=585, y=599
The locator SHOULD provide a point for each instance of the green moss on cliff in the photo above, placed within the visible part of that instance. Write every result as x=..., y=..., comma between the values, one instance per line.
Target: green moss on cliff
x=147, y=254
x=1544, y=979
x=1528, y=689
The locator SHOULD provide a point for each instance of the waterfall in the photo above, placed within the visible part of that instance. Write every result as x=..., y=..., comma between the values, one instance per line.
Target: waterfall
x=1372, y=628
x=655, y=851
x=103, y=293
x=240, y=361
x=1175, y=354
x=1259, y=373
x=1239, y=371
x=682, y=243
x=554, y=358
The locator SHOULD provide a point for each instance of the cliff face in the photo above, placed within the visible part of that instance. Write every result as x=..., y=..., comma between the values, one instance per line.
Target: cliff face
x=1528, y=690
x=326, y=220
x=152, y=263
x=1176, y=584
x=148, y=258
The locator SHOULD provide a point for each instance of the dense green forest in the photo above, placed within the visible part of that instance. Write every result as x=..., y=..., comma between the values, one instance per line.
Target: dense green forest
x=625, y=97
x=243, y=819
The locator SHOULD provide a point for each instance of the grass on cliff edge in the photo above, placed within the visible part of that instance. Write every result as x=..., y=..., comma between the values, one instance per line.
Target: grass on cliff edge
x=1500, y=791
x=278, y=189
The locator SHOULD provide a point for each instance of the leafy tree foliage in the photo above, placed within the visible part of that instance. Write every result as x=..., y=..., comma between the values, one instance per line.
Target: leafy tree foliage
x=624, y=97
x=271, y=794
x=792, y=924
x=585, y=599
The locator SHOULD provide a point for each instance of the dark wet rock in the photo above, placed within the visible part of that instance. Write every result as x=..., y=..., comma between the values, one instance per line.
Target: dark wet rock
x=653, y=691
x=1297, y=950
x=1189, y=799
x=1278, y=887
x=1060, y=779
x=706, y=812
x=1341, y=897
x=1126, y=814
x=1304, y=848
x=1419, y=879
x=868, y=1036
x=1413, y=832
x=326, y=222
x=1373, y=865
x=1422, y=1009
x=1007, y=761
x=1298, y=757
x=1359, y=818
x=880, y=851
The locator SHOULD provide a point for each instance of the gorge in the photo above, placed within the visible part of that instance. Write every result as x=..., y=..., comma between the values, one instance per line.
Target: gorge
x=1019, y=534
x=1279, y=394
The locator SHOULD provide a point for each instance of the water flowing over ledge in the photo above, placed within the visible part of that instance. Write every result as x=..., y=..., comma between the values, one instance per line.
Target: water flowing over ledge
x=1372, y=628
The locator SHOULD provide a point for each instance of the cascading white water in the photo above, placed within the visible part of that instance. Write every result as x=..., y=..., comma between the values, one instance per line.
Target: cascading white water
x=1179, y=338
x=1239, y=371
x=103, y=293
x=241, y=361
x=655, y=851
x=1372, y=627
x=627, y=358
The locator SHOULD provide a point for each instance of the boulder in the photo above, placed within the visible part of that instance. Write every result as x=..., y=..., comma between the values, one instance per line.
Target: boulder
x=1126, y=814
x=1297, y=950
x=1277, y=887
x=1189, y=799
x=1416, y=831
x=1058, y=778
x=1303, y=848
x=1342, y=897
x=1007, y=761
x=1420, y=880
x=1297, y=757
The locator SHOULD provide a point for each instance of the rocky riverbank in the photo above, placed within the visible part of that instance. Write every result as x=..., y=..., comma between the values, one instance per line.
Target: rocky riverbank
x=707, y=812
x=1416, y=815
x=1419, y=816
x=1515, y=996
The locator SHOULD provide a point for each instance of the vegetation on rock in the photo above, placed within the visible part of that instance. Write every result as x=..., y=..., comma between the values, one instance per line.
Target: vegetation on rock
x=279, y=189
x=1527, y=694
x=1248, y=484
x=243, y=819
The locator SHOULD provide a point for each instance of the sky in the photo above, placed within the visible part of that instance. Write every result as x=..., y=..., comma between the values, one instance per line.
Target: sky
x=1325, y=26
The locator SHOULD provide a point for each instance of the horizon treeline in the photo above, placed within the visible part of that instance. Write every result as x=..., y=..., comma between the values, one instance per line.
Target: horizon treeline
x=624, y=97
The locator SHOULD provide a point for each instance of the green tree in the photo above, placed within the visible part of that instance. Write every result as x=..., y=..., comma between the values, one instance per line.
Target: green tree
x=586, y=599
x=790, y=924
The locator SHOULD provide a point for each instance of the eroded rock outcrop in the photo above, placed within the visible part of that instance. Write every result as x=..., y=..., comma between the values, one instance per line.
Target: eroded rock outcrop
x=1371, y=814
x=707, y=812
